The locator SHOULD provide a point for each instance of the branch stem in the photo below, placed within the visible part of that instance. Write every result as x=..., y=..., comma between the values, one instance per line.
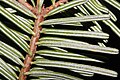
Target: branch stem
x=35, y=38
x=33, y=47
x=57, y=4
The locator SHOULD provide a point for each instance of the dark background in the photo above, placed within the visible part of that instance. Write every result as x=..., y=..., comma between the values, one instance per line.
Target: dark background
x=114, y=41
x=112, y=61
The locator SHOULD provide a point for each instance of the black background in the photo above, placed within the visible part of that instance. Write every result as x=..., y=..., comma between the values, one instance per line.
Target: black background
x=112, y=61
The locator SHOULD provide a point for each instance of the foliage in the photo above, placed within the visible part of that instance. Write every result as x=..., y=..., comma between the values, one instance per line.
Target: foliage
x=71, y=38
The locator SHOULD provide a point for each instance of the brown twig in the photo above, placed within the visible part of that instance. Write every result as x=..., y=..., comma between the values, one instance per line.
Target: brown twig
x=35, y=38
x=33, y=47
x=57, y=4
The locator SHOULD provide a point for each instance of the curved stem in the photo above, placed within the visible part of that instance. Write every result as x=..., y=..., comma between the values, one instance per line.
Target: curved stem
x=57, y=4
x=33, y=47
x=35, y=38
